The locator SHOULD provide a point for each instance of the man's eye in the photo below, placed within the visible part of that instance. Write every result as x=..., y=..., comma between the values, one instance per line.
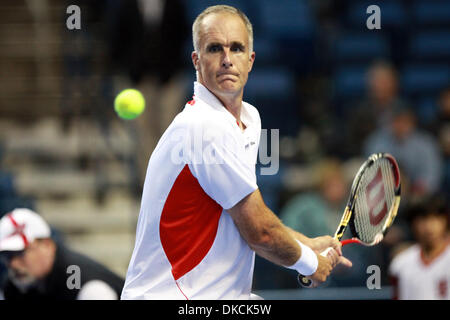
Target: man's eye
x=214, y=48
x=237, y=48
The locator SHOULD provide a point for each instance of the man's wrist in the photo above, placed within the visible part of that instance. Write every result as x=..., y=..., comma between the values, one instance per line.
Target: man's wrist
x=301, y=237
x=307, y=263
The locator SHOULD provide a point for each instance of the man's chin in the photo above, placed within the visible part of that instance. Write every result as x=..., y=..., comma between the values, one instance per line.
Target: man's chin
x=22, y=281
x=229, y=87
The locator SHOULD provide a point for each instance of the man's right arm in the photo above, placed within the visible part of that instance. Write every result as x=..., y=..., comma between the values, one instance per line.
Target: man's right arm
x=270, y=239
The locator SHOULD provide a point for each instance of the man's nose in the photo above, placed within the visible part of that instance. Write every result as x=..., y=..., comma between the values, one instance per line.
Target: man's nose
x=226, y=61
x=15, y=262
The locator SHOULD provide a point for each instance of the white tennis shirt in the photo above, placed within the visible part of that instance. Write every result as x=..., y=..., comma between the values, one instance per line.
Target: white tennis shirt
x=187, y=246
x=417, y=279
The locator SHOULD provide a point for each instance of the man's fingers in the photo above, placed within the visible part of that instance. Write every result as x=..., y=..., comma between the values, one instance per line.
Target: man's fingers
x=344, y=261
x=334, y=257
x=337, y=245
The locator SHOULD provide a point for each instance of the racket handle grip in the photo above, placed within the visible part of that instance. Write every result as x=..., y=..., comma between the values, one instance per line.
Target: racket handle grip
x=306, y=282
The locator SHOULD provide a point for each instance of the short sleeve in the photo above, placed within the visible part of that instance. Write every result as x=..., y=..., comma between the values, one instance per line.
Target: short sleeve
x=222, y=169
x=396, y=265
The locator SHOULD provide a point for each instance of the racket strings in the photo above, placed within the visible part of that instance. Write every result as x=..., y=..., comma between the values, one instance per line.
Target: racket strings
x=374, y=199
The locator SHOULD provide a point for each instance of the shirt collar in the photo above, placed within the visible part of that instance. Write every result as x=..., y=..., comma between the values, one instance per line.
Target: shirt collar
x=203, y=93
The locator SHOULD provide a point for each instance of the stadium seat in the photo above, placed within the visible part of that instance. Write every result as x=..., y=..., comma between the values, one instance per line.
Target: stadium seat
x=292, y=27
x=270, y=82
x=270, y=185
x=393, y=14
x=350, y=82
x=426, y=109
x=6, y=184
x=272, y=92
x=422, y=79
x=357, y=47
x=266, y=51
x=436, y=12
x=430, y=45
x=194, y=7
x=293, y=19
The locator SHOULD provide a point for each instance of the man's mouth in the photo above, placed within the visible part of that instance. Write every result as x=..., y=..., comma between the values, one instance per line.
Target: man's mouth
x=227, y=75
x=19, y=274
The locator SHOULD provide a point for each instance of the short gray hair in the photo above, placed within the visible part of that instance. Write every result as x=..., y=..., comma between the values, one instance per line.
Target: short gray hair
x=221, y=9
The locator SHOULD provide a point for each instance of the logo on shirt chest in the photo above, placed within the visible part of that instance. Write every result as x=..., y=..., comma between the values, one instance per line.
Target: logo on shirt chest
x=251, y=143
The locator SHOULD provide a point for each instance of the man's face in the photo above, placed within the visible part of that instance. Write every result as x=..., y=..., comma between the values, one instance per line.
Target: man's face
x=382, y=84
x=334, y=190
x=223, y=61
x=32, y=263
x=444, y=103
x=430, y=229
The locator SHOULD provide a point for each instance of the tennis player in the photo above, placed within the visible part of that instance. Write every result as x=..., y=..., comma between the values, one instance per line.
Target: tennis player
x=202, y=216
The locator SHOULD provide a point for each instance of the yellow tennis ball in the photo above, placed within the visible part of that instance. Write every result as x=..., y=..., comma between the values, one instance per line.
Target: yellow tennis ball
x=129, y=104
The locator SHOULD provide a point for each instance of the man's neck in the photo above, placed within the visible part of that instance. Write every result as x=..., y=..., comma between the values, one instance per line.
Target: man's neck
x=430, y=252
x=234, y=106
x=233, y=103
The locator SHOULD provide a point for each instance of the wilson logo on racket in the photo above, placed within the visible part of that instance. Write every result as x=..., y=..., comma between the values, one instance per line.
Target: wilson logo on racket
x=376, y=199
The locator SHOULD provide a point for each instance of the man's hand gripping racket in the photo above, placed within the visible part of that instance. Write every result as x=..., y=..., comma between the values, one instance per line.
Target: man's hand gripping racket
x=372, y=205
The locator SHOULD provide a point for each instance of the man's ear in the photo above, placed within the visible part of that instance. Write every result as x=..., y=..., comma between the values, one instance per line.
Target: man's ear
x=252, y=60
x=194, y=57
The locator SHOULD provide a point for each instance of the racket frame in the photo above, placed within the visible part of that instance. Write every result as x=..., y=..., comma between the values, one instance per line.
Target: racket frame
x=348, y=217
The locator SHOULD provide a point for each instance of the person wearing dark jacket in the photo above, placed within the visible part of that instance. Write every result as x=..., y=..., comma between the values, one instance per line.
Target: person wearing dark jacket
x=40, y=268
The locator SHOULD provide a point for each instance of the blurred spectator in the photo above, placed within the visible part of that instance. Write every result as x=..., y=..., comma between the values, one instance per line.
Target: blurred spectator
x=422, y=271
x=38, y=266
x=441, y=127
x=147, y=41
x=318, y=212
x=147, y=37
x=375, y=111
x=443, y=115
x=416, y=151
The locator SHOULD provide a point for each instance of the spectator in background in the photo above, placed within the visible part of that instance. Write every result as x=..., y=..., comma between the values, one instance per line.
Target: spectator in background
x=318, y=212
x=422, y=271
x=147, y=40
x=441, y=128
x=375, y=111
x=147, y=37
x=38, y=266
x=417, y=151
x=443, y=114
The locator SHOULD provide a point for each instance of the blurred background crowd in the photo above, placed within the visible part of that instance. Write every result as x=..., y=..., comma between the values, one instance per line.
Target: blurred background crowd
x=336, y=91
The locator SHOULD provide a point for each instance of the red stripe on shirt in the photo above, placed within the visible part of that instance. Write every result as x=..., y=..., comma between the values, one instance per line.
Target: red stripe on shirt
x=394, y=282
x=188, y=224
x=192, y=102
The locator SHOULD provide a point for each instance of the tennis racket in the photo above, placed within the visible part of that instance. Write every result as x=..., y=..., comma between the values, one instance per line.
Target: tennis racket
x=372, y=205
